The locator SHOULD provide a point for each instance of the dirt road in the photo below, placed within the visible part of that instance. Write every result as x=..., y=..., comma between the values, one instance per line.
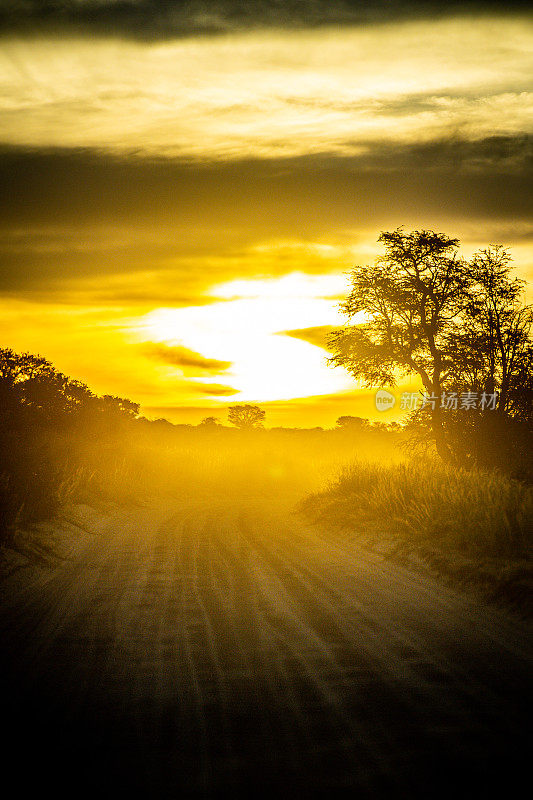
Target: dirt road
x=203, y=647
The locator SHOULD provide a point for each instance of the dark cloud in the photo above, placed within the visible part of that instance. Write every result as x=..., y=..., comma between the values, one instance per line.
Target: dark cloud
x=504, y=155
x=200, y=201
x=152, y=19
x=84, y=219
x=183, y=357
x=317, y=335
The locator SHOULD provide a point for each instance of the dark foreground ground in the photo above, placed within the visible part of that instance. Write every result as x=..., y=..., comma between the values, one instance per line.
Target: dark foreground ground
x=214, y=647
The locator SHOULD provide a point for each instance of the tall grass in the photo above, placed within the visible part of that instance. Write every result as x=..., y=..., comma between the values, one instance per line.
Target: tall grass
x=478, y=513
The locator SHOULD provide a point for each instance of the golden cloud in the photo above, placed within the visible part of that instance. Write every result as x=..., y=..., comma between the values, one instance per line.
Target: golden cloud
x=264, y=95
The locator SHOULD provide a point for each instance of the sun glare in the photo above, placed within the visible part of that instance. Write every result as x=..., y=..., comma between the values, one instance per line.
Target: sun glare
x=248, y=330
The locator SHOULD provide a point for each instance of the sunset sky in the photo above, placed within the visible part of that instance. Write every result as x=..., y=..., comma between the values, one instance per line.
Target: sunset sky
x=185, y=185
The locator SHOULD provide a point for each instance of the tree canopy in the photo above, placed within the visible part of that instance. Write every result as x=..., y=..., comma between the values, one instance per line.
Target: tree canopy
x=31, y=387
x=246, y=417
x=459, y=325
x=348, y=422
x=210, y=422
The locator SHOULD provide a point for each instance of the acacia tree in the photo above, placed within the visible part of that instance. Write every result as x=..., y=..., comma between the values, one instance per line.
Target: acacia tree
x=246, y=417
x=459, y=325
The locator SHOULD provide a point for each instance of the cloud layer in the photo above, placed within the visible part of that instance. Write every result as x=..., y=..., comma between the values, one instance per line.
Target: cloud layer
x=288, y=94
x=85, y=227
x=187, y=359
x=160, y=19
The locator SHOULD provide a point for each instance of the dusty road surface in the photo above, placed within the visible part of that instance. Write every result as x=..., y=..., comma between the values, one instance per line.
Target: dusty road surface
x=210, y=647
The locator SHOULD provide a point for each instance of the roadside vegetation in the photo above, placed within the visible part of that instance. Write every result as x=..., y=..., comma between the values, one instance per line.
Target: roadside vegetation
x=463, y=500
x=54, y=432
x=473, y=526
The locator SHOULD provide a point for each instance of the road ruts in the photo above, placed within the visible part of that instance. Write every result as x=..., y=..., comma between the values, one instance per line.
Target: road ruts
x=208, y=646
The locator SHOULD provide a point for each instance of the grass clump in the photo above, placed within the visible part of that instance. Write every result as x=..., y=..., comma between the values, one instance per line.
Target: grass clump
x=472, y=525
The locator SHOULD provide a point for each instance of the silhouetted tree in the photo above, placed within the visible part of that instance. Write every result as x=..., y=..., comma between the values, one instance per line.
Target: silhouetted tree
x=31, y=388
x=351, y=423
x=210, y=422
x=47, y=421
x=494, y=348
x=459, y=325
x=246, y=417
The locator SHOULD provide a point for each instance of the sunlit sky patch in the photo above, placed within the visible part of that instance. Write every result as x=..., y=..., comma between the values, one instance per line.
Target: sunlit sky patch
x=248, y=331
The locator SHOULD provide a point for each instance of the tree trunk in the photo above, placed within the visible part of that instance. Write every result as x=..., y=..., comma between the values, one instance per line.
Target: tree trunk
x=441, y=444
